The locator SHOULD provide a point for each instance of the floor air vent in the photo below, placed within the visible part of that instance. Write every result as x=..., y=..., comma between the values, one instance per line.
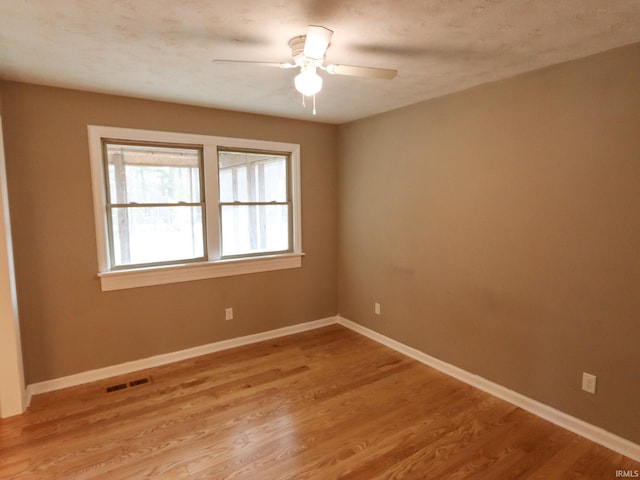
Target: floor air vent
x=115, y=388
x=140, y=381
x=133, y=383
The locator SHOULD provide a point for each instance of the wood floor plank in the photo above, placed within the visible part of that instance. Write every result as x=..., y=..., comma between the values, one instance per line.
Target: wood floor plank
x=323, y=404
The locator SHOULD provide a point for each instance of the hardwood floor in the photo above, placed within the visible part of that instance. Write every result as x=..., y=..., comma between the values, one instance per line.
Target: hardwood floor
x=323, y=404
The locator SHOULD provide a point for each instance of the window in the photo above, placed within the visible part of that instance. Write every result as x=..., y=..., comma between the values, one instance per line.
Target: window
x=255, y=204
x=155, y=203
x=176, y=207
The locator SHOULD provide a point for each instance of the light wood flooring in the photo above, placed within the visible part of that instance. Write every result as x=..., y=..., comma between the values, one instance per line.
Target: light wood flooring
x=323, y=404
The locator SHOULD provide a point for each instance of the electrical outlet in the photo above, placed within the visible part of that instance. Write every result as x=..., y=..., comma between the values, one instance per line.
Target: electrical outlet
x=228, y=313
x=588, y=382
x=376, y=308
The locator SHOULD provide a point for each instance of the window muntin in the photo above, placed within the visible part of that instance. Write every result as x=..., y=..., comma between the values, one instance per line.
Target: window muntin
x=155, y=203
x=255, y=202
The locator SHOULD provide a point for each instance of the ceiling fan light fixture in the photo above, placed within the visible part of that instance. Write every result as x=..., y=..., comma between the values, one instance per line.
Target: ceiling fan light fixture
x=308, y=82
x=308, y=53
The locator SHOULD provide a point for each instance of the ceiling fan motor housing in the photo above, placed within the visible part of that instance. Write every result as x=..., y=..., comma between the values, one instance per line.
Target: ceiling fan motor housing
x=297, y=52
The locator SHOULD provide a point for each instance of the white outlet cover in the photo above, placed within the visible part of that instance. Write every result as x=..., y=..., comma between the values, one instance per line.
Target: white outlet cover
x=228, y=313
x=588, y=382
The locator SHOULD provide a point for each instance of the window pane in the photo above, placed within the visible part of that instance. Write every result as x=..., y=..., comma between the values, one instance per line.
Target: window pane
x=153, y=174
x=156, y=234
x=250, y=229
x=252, y=177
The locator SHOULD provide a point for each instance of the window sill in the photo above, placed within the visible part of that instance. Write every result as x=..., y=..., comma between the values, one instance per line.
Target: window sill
x=143, y=277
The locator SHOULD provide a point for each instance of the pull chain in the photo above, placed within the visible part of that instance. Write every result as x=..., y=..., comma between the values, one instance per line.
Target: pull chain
x=304, y=103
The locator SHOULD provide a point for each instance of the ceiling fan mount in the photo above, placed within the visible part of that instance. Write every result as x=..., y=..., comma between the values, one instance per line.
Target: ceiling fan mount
x=299, y=58
x=308, y=52
x=297, y=47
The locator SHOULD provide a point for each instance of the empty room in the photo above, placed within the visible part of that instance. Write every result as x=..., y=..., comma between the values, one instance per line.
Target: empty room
x=277, y=239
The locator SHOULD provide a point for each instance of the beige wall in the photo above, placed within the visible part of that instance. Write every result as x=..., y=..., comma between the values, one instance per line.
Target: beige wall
x=68, y=324
x=499, y=228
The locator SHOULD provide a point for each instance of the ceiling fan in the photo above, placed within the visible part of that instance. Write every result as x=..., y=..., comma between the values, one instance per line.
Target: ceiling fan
x=308, y=52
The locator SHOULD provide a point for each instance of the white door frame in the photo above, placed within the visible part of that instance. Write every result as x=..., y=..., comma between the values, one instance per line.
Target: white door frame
x=13, y=397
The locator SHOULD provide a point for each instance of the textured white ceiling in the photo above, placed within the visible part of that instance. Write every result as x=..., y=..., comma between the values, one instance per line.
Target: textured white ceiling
x=162, y=49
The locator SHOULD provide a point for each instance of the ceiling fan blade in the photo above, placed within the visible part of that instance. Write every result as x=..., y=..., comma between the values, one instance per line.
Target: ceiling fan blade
x=317, y=42
x=369, y=72
x=260, y=64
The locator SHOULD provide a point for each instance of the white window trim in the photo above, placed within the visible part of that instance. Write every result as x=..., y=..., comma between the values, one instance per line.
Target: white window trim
x=214, y=267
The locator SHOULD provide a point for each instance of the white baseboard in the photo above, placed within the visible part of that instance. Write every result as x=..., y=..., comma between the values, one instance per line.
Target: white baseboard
x=575, y=425
x=159, y=360
x=580, y=427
